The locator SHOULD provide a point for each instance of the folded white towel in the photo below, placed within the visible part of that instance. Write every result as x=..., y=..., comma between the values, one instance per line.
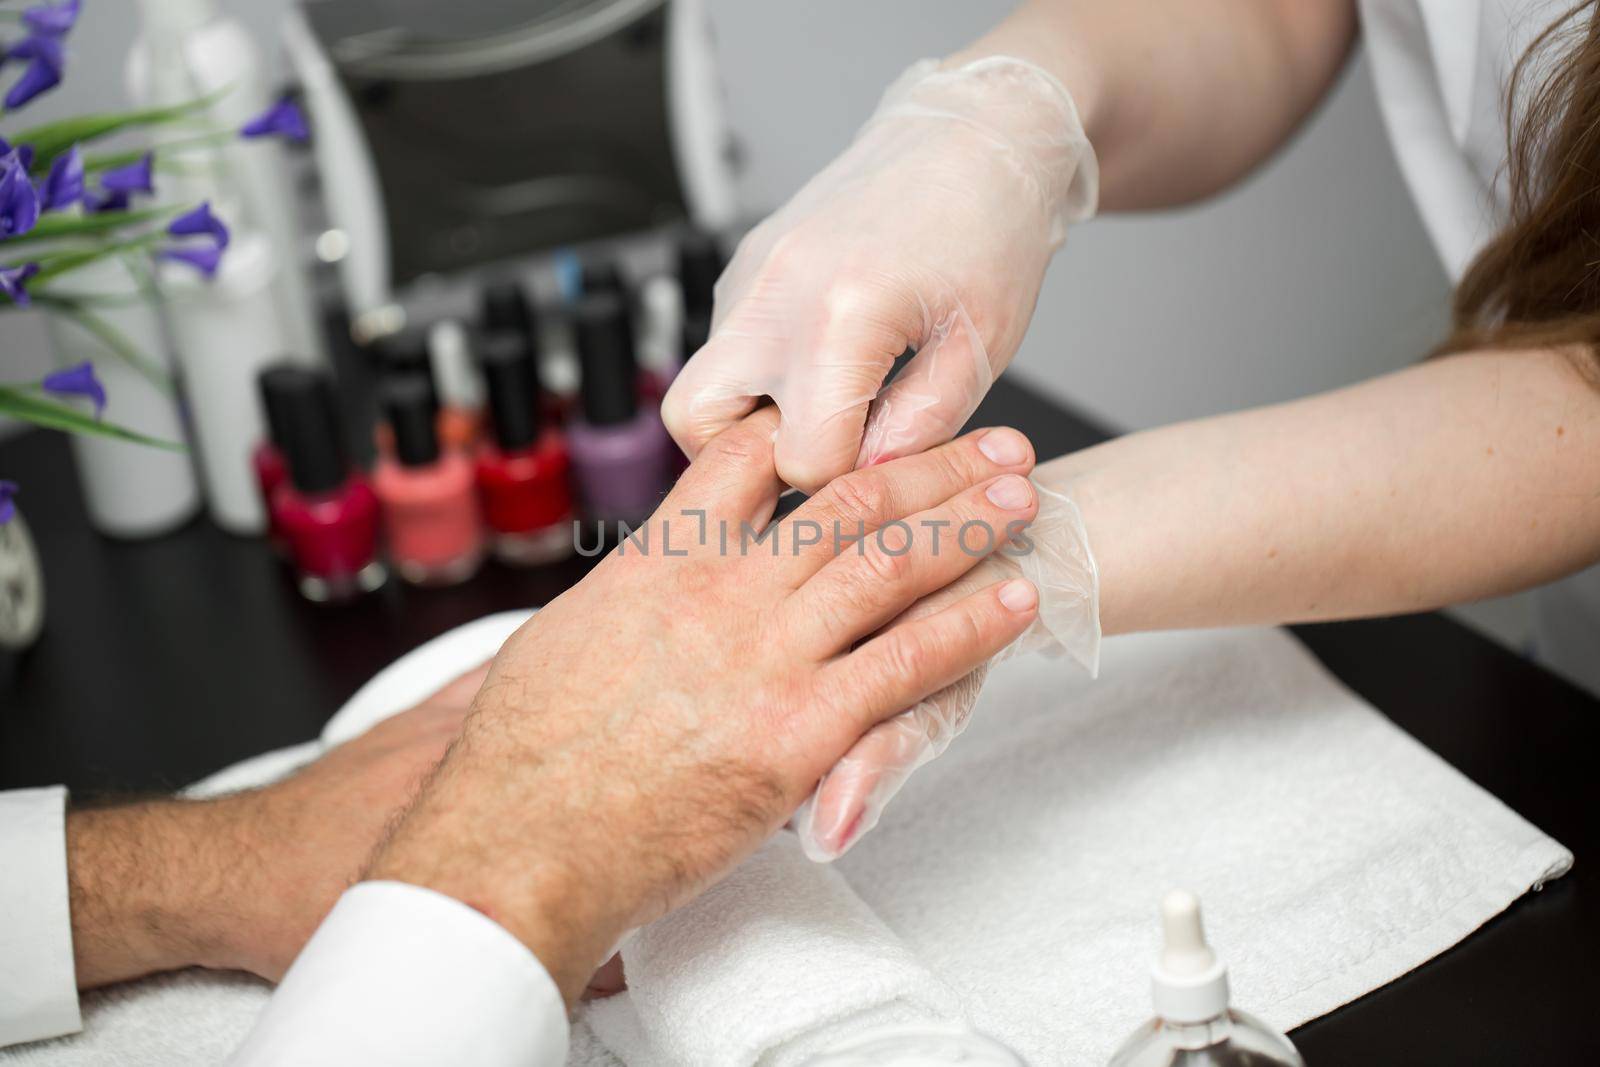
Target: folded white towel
x=776, y=963
x=1023, y=870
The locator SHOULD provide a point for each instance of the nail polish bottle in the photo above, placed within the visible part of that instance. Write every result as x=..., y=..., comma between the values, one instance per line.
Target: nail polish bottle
x=271, y=469
x=522, y=464
x=506, y=309
x=700, y=263
x=326, y=509
x=429, y=493
x=620, y=449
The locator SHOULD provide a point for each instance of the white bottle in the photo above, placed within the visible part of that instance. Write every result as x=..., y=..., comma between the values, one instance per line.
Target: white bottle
x=131, y=490
x=225, y=332
x=186, y=48
x=1194, y=1026
x=661, y=326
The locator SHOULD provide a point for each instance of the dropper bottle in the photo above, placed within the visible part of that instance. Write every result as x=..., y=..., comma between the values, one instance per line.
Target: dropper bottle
x=1194, y=1025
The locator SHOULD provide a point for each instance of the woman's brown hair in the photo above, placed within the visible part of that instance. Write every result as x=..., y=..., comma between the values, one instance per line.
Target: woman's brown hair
x=1537, y=283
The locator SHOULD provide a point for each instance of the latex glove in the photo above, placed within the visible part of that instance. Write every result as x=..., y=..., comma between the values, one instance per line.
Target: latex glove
x=932, y=231
x=851, y=797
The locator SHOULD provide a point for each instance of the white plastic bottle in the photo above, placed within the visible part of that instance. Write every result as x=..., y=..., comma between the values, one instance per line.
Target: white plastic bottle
x=187, y=48
x=1194, y=1025
x=131, y=490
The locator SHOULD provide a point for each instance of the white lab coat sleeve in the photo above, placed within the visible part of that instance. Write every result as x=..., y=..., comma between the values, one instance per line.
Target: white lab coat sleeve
x=401, y=975
x=38, y=981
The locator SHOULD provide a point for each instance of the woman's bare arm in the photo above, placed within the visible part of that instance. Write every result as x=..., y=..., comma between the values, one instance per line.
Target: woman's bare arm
x=1181, y=99
x=1461, y=478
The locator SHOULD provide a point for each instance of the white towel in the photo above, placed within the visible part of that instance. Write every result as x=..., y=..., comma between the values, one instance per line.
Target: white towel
x=1023, y=869
x=776, y=963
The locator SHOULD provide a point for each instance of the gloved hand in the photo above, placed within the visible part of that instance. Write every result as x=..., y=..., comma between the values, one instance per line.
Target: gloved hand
x=1055, y=556
x=932, y=231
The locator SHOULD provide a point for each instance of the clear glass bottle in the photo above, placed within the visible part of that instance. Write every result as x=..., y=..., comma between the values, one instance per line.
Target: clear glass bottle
x=1194, y=1025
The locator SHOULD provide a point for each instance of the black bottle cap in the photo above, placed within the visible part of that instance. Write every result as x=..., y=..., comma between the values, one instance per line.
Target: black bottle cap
x=699, y=265
x=602, y=277
x=407, y=350
x=605, y=350
x=274, y=401
x=508, y=373
x=696, y=332
x=306, y=425
x=408, y=402
x=506, y=309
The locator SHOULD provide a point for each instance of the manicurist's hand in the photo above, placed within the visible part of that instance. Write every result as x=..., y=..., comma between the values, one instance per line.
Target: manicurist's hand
x=655, y=723
x=932, y=231
x=241, y=882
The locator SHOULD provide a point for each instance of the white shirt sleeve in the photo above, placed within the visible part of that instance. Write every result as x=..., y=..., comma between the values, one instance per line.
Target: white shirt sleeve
x=38, y=980
x=401, y=975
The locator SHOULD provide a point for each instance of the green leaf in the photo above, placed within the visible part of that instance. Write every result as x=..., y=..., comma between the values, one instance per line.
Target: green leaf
x=106, y=160
x=20, y=404
x=53, y=138
x=57, y=227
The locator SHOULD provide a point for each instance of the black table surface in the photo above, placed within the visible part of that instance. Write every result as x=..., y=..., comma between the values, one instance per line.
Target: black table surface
x=167, y=659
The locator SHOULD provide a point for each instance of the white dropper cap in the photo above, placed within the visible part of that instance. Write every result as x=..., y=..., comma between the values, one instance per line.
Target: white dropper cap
x=1188, y=983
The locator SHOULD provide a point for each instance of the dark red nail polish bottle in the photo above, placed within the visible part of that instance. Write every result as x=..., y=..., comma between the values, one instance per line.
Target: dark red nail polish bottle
x=326, y=510
x=522, y=466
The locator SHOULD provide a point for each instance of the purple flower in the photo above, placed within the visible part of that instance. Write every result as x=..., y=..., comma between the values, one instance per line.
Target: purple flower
x=282, y=119
x=77, y=380
x=24, y=151
x=203, y=258
x=200, y=221
x=99, y=203
x=13, y=280
x=43, y=71
x=135, y=177
x=19, y=201
x=51, y=20
x=8, y=508
x=63, y=186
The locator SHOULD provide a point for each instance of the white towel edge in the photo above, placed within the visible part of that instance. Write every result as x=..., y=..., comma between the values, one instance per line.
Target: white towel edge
x=1540, y=861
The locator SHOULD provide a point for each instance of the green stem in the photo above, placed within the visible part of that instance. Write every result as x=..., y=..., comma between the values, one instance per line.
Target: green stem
x=112, y=338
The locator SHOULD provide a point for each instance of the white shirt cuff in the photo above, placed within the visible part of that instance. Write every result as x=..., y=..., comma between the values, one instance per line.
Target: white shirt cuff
x=38, y=980
x=397, y=974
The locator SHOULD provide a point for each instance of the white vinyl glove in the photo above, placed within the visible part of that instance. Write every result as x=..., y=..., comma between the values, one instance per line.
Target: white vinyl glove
x=1056, y=558
x=932, y=231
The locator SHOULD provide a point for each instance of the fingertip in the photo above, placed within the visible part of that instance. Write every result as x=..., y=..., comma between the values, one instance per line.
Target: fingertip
x=1006, y=447
x=1019, y=596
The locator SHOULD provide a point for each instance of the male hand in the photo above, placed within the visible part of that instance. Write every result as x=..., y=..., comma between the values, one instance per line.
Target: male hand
x=241, y=882
x=651, y=726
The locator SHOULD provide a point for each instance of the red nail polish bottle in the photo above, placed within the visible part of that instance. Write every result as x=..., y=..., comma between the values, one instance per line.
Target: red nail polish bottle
x=522, y=466
x=326, y=509
x=428, y=493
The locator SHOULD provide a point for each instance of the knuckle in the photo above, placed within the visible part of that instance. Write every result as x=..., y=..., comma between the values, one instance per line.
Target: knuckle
x=911, y=654
x=860, y=495
x=886, y=568
x=848, y=303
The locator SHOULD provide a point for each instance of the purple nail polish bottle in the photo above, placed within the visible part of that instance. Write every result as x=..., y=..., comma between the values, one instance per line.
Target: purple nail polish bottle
x=620, y=450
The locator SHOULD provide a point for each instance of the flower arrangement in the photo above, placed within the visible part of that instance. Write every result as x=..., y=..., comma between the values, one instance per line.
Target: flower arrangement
x=64, y=205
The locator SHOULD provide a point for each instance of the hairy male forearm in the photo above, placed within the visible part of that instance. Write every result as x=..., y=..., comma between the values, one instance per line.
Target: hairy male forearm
x=150, y=886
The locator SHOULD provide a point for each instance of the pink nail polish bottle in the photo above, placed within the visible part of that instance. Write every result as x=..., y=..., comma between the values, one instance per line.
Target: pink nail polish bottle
x=428, y=493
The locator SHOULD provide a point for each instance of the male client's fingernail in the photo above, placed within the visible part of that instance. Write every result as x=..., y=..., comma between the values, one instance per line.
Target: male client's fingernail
x=1010, y=492
x=1004, y=446
x=1019, y=595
